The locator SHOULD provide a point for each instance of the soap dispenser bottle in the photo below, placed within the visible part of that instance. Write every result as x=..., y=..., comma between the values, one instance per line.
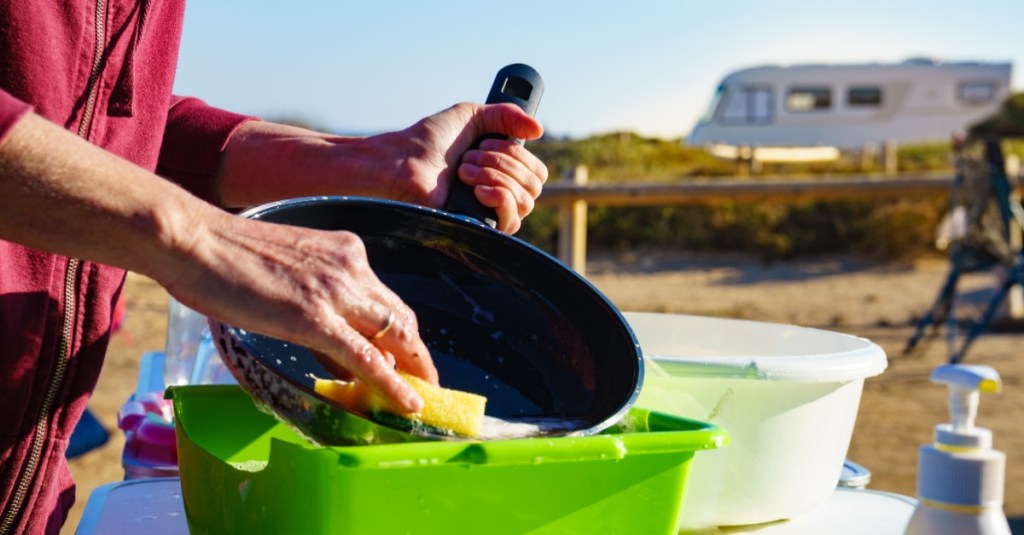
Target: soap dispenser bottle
x=960, y=476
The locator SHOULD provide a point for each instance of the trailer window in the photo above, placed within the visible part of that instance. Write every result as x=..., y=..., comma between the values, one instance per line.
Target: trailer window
x=709, y=114
x=864, y=96
x=809, y=98
x=748, y=105
x=977, y=92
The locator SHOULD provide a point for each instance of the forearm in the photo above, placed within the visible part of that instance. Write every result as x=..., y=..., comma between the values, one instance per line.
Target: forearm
x=265, y=162
x=61, y=194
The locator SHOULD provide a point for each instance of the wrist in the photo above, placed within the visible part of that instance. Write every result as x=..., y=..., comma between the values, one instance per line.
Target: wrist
x=182, y=228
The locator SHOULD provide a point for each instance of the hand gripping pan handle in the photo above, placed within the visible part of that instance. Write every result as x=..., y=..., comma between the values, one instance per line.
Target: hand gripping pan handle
x=521, y=85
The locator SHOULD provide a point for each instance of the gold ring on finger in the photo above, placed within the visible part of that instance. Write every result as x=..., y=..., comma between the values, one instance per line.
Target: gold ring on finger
x=387, y=326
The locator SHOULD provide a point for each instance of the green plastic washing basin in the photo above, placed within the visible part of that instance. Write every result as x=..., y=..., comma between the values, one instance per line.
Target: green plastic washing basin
x=243, y=471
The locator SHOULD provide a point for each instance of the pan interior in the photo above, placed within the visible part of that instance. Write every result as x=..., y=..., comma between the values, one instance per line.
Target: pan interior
x=501, y=318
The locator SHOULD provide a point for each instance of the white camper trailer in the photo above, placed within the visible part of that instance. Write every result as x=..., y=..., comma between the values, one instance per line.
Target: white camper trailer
x=809, y=112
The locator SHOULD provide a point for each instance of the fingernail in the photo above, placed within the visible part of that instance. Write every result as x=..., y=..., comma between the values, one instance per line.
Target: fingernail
x=414, y=402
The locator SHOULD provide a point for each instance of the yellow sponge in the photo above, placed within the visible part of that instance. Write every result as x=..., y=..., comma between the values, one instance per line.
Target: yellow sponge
x=447, y=410
x=349, y=394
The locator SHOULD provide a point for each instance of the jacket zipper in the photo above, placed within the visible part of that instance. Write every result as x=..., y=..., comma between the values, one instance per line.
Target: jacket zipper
x=43, y=421
x=68, y=312
x=94, y=76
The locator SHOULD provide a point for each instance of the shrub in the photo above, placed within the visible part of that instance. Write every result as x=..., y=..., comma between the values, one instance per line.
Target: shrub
x=886, y=228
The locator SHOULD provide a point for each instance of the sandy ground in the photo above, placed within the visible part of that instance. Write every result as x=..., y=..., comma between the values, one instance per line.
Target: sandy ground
x=877, y=301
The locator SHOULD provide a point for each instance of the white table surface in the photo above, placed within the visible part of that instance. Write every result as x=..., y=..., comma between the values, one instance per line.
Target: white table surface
x=136, y=506
x=154, y=507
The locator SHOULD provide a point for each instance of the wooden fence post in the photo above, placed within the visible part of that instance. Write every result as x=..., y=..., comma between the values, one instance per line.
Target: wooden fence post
x=572, y=231
x=889, y=163
x=867, y=157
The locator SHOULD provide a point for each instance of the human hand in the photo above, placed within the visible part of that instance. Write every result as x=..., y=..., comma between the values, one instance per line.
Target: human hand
x=504, y=175
x=310, y=287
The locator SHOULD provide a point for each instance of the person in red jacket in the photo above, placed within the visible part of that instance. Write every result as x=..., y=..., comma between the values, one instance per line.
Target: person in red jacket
x=103, y=170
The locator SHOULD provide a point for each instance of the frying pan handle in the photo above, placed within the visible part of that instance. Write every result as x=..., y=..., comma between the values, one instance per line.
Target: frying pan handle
x=521, y=85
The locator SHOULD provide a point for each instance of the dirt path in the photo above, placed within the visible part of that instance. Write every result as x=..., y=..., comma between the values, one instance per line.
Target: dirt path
x=878, y=302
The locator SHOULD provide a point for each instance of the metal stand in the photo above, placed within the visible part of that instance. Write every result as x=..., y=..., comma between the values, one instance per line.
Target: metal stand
x=979, y=182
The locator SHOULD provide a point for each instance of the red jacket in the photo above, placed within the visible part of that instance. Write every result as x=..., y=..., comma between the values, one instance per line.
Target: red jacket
x=104, y=70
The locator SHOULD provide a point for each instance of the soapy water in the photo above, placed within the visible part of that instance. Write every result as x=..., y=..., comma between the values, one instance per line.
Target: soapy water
x=491, y=428
x=249, y=466
x=498, y=429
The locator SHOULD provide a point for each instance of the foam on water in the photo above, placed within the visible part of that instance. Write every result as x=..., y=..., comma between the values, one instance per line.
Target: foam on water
x=498, y=429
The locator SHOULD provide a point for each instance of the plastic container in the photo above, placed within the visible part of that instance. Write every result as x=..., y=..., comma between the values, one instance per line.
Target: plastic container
x=185, y=330
x=242, y=471
x=190, y=357
x=960, y=477
x=150, y=447
x=787, y=395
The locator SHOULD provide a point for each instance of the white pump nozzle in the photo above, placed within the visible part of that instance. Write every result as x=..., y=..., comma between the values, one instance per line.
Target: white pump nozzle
x=965, y=383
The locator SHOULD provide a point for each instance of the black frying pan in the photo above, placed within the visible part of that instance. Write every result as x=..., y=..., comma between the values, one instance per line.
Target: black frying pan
x=500, y=317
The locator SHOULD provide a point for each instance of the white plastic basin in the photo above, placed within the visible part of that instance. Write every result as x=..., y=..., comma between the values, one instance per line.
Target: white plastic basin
x=787, y=395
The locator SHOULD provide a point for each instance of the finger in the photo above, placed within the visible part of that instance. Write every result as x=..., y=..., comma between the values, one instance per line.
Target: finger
x=352, y=352
x=396, y=331
x=518, y=152
x=498, y=190
x=510, y=120
x=381, y=317
x=339, y=373
x=504, y=203
x=376, y=318
x=402, y=341
x=513, y=161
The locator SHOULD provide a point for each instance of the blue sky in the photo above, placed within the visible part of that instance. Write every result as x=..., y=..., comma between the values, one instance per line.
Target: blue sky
x=647, y=66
